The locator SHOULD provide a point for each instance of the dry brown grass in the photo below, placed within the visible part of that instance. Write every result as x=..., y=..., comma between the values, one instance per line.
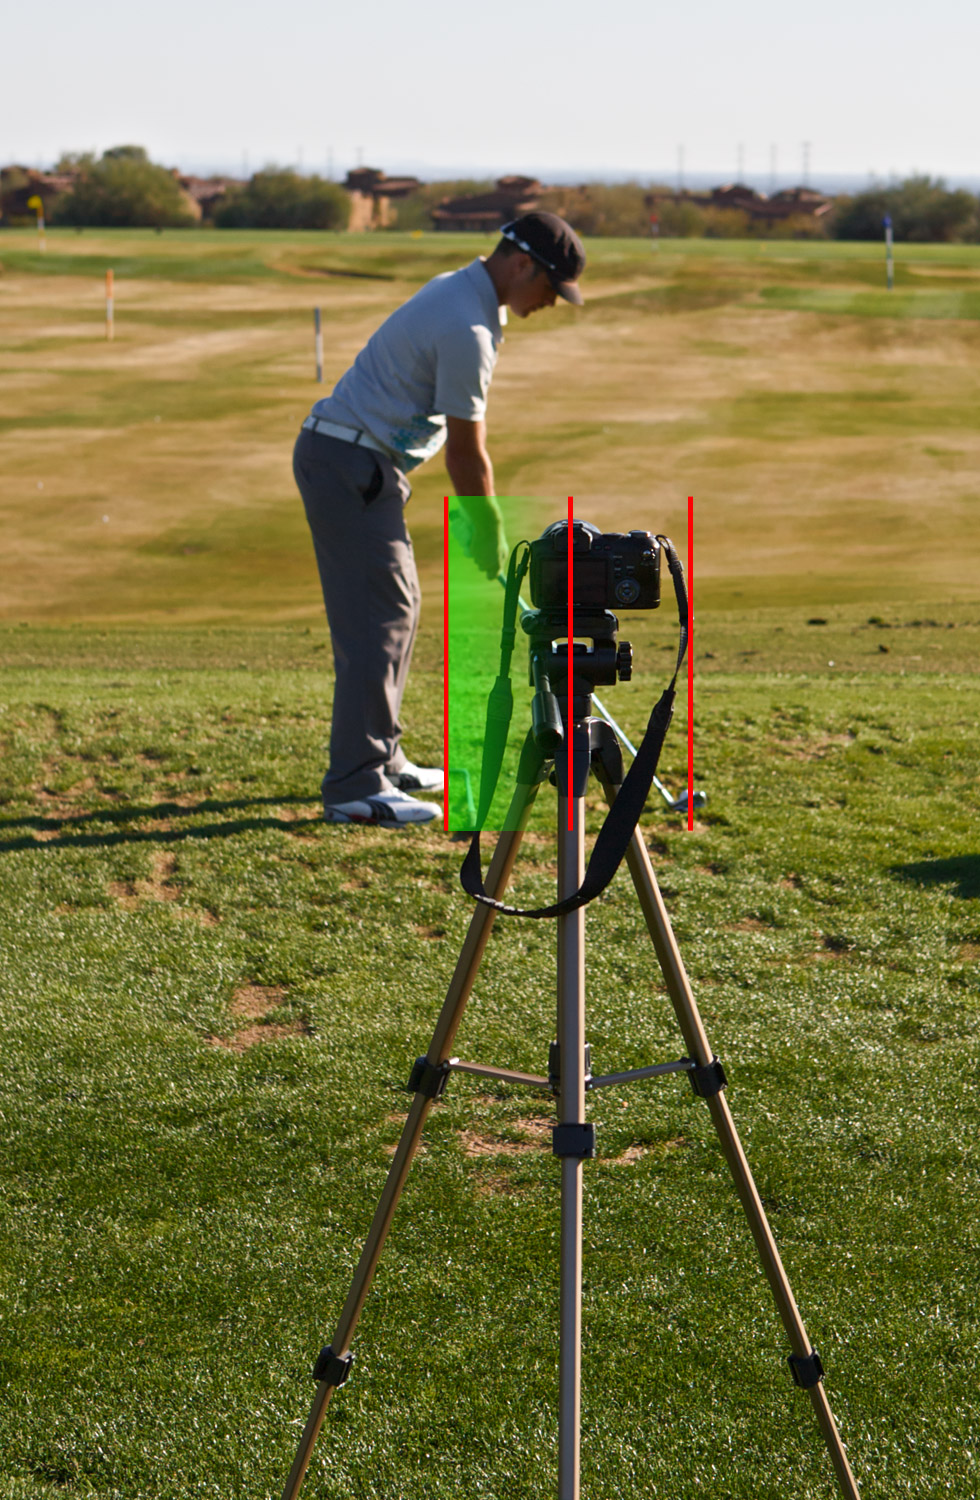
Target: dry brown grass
x=180, y=432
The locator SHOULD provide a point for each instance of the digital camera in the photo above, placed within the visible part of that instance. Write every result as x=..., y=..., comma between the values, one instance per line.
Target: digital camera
x=609, y=570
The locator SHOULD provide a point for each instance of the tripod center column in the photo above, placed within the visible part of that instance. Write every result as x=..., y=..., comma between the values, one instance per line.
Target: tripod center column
x=571, y=1111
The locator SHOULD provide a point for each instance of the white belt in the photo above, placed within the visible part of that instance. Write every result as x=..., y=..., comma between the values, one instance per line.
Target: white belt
x=345, y=434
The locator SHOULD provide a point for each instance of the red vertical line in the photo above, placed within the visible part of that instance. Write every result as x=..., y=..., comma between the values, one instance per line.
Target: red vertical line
x=690, y=663
x=445, y=662
x=571, y=594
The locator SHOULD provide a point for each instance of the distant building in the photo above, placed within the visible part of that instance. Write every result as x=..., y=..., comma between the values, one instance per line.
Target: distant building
x=17, y=184
x=484, y=213
x=204, y=194
x=801, y=202
x=371, y=193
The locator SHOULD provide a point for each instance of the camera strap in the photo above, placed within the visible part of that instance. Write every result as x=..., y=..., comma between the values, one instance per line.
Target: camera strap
x=623, y=816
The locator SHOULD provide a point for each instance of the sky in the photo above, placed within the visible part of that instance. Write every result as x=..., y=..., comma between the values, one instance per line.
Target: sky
x=625, y=88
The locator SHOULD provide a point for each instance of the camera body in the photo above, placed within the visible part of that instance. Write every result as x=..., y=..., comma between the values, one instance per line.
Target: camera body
x=610, y=570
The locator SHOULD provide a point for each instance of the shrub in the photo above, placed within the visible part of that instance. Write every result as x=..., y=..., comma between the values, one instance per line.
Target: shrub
x=277, y=198
x=124, y=189
x=921, y=209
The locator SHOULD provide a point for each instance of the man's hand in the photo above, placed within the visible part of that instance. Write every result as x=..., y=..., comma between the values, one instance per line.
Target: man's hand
x=488, y=542
x=469, y=468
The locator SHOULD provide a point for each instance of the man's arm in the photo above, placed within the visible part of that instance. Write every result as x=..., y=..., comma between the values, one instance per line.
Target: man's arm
x=469, y=467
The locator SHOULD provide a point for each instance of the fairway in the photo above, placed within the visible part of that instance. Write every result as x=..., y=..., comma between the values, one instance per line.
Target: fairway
x=211, y=1002
x=826, y=428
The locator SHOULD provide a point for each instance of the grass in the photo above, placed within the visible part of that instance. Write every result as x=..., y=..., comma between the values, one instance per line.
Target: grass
x=149, y=479
x=211, y=1002
x=210, y=1015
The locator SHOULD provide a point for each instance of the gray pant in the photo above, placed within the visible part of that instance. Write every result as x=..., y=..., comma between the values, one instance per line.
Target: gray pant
x=354, y=501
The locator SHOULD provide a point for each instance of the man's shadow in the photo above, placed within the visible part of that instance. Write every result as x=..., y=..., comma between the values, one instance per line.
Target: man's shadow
x=961, y=871
x=68, y=831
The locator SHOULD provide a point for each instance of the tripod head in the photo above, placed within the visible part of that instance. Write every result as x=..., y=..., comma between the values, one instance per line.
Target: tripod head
x=576, y=576
x=593, y=656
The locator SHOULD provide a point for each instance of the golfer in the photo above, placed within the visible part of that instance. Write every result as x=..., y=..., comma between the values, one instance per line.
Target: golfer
x=421, y=381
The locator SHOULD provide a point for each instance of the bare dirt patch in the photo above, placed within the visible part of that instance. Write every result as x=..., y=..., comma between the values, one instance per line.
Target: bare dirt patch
x=132, y=893
x=640, y=1149
x=250, y=1001
x=534, y=1135
x=256, y=1003
x=252, y=1036
x=815, y=749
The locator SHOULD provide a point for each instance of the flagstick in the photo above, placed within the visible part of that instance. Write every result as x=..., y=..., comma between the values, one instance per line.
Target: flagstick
x=889, y=264
x=36, y=202
x=318, y=344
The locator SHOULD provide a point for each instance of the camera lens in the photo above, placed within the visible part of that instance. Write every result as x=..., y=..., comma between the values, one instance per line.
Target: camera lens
x=627, y=591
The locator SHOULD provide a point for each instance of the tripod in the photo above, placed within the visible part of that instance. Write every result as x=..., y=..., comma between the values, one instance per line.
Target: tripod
x=593, y=748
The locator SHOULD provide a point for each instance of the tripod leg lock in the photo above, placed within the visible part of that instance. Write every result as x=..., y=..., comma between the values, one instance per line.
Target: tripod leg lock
x=573, y=1140
x=332, y=1369
x=708, y=1080
x=806, y=1369
x=428, y=1078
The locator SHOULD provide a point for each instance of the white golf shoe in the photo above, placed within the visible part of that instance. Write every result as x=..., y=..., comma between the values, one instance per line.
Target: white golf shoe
x=417, y=778
x=386, y=809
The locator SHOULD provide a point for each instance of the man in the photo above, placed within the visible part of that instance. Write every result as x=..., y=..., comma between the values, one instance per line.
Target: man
x=421, y=381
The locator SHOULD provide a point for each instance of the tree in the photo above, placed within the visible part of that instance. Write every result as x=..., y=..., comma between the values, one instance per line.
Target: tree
x=921, y=208
x=680, y=220
x=124, y=189
x=280, y=199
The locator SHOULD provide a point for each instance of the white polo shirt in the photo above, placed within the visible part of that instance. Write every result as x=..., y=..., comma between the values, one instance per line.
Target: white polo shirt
x=431, y=359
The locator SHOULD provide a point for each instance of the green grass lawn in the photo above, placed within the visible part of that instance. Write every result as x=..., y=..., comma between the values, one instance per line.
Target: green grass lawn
x=211, y=1005
x=211, y=1002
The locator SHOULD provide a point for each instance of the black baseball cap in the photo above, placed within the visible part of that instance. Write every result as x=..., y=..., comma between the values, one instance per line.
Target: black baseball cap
x=554, y=245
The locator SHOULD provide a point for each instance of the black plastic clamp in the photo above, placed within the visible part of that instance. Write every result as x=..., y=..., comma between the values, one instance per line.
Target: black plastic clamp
x=708, y=1080
x=573, y=1140
x=806, y=1369
x=332, y=1368
x=429, y=1078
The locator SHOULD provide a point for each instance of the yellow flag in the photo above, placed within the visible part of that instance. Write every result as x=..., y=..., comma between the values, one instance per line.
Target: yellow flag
x=36, y=204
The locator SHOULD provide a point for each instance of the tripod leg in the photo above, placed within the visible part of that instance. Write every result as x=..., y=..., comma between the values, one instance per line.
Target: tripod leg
x=571, y=1112
x=805, y=1371
x=334, y=1363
